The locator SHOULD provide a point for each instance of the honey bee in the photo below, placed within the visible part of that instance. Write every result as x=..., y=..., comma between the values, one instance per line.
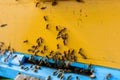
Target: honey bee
x=25, y=41
x=14, y=56
x=54, y=72
x=59, y=74
x=43, y=8
x=92, y=76
x=54, y=2
x=58, y=46
x=37, y=3
x=61, y=78
x=57, y=28
x=47, y=26
x=36, y=52
x=64, y=42
x=3, y=25
x=83, y=56
x=107, y=76
x=69, y=77
x=45, y=48
x=42, y=51
x=45, y=18
x=77, y=78
x=48, y=78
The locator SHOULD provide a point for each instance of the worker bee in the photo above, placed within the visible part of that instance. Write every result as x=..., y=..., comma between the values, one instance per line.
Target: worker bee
x=58, y=46
x=54, y=2
x=47, y=26
x=43, y=7
x=35, y=53
x=47, y=56
x=48, y=78
x=69, y=77
x=57, y=28
x=20, y=62
x=64, y=42
x=45, y=48
x=14, y=56
x=89, y=66
x=59, y=74
x=42, y=51
x=30, y=50
x=25, y=41
x=26, y=68
x=67, y=64
x=37, y=3
x=61, y=78
x=5, y=59
x=77, y=78
x=83, y=56
x=13, y=50
x=21, y=66
x=31, y=66
x=1, y=44
x=39, y=40
x=34, y=70
x=54, y=72
x=45, y=18
x=3, y=25
x=107, y=76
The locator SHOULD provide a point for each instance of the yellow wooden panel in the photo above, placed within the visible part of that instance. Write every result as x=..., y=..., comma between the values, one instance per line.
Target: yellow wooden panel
x=93, y=25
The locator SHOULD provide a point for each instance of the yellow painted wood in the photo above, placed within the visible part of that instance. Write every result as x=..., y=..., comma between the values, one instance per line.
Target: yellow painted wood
x=93, y=25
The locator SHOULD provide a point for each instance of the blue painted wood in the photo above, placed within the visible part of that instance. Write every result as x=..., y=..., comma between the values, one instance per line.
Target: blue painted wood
x=10, y=71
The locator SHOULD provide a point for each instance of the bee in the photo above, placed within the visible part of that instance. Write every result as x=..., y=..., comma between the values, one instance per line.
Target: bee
x=64, y=42
x=3, y=51
x=33, y=46
x=58, y=46
x=77, y=78
x=14, y=56
x=13, y=50
x=89, y=66
x=54, y=3
x=83, y=56
x=61, y=78
x=73, y=51
x=3, y=25
x=25, y=41
x=31, y=66
x=30, y=50
x=21, y=66
x=48, y=78
x=47, y=26
x=39, y=40
x=34, y=70
x=47, y=56
x=20, y=62
x=37, y=3
x=79, y=0
x=64, y=36
x=69, y=77
x=107, y=76
x=62, y=30
x=26, y=68
x=5, y=59
x=57, y=28
x=67, y=63
x=43, y=8
x=9, y=47
x=54, y=72
x=45, y=48
x=2, y=43
x=42, y=51
x=45, y=18
x=59, y=74
x=36, y=52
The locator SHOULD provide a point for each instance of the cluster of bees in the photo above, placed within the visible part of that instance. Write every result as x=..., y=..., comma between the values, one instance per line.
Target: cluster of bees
x=8, y=49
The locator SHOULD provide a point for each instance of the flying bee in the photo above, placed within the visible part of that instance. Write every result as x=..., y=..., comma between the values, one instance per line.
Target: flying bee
x=3, y=25
x=48, y=78
x=25, y=41
x=45, y=18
